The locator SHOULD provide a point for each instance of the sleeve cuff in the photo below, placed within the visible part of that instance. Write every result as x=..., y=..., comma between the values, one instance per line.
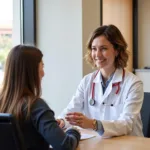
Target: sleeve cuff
x=67, y=125
x=100, y=128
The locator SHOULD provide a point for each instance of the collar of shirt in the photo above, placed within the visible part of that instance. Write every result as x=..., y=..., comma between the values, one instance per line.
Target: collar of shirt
x=104, y=86
x=117, y=77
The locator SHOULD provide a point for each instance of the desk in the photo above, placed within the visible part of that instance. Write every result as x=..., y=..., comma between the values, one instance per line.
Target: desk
x=115, y=143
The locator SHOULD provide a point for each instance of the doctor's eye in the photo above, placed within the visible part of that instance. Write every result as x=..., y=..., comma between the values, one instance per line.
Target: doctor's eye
x=93, y=48
x=103, y=49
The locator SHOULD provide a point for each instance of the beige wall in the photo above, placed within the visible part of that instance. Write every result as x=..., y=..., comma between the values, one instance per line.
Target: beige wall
x=119, y=13
x=62, y=29
x=90, y=21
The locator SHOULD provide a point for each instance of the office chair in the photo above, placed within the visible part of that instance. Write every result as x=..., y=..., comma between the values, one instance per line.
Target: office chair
x=145, y=114
x=10, y=134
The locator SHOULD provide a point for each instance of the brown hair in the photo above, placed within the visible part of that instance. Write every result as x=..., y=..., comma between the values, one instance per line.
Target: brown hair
x=21, y=85
x=115, y=37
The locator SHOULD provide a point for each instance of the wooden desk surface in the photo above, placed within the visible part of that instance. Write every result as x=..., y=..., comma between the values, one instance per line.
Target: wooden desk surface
x=116, y=143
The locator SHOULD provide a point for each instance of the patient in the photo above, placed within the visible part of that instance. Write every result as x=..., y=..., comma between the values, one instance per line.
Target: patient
x=21, y=96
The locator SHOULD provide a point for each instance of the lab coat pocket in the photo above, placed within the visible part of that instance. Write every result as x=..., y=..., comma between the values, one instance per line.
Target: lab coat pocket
x=115, y=111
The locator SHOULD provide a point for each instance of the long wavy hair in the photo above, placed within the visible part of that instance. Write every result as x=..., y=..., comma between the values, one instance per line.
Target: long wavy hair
x=114, y=36
x=21, y=85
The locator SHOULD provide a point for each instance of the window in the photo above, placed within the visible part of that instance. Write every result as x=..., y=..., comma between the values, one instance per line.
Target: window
x=6, y=20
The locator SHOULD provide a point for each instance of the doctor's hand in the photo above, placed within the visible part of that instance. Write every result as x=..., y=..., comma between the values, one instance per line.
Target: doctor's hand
x=78, y=119
x=61, y=123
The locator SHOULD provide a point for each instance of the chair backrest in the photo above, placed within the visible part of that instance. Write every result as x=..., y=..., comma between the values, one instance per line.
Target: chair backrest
x=145, y=114
x=10, y=134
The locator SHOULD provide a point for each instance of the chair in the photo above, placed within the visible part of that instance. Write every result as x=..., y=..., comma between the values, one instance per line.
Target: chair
x=10, y=134
x=145, y=114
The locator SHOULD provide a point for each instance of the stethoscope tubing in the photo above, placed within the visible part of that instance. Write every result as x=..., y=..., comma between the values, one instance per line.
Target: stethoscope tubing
x=92, y=101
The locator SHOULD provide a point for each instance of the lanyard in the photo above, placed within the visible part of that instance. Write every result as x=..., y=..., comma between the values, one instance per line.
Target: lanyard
x=114, y=84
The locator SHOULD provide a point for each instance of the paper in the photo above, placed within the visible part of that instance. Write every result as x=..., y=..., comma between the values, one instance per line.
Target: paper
x=86, y=136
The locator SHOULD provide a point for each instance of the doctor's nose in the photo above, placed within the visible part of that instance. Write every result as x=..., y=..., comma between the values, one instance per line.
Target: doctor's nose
x=98, y=53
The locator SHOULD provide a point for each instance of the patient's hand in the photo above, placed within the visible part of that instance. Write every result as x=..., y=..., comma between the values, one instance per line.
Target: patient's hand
x=61, y=123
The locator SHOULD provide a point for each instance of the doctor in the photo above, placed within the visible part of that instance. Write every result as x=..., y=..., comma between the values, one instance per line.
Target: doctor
x=108, y=100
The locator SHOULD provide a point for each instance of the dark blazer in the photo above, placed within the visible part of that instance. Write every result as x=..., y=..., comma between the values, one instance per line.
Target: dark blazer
x=42, y=130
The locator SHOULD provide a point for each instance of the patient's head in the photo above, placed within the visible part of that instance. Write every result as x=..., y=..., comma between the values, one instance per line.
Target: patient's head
x=22, y=76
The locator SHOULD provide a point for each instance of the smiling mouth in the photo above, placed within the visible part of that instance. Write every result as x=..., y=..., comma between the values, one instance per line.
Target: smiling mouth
x=101, y=61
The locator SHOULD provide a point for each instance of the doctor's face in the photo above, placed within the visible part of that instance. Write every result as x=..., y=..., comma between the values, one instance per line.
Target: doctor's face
x=103, y=53
x=41, y=70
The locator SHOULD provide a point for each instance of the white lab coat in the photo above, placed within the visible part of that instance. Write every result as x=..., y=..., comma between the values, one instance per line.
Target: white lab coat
x=120, y=119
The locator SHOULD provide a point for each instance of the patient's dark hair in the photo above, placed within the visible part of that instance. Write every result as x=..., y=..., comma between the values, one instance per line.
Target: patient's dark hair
x=21, y=85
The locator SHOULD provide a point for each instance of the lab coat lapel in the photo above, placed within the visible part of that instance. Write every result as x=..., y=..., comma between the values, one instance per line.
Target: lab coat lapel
x=116, y=78
x=97, y=80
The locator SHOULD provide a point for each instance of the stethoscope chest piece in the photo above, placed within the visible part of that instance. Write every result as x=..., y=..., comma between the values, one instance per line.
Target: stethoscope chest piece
x=92, y=102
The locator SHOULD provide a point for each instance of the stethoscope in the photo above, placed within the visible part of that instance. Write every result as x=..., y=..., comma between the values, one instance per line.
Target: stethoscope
x=92, y=100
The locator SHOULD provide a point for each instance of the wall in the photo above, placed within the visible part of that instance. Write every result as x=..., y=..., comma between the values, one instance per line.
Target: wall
x=143, y=33
x=119, y=13
x=90, y=21
x=143, y=43
x=144, y=75
x=61, y=27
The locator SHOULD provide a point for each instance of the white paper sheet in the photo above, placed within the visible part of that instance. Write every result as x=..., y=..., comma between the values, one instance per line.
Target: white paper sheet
x=86, y=136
